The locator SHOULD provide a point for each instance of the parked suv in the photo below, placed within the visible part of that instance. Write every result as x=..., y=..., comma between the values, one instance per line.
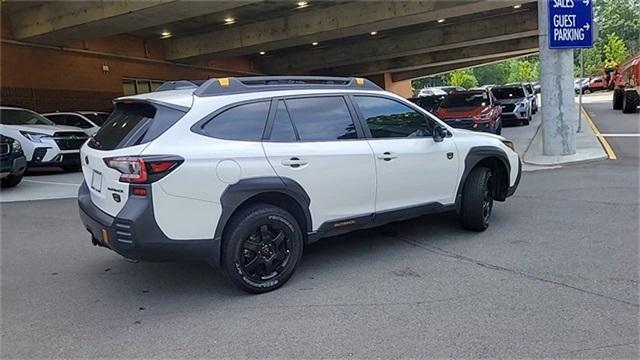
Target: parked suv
x=472, y=109
x=516, y=106
x=44, y=143
x=12, y=162
x=89, y=121
x=244, y=172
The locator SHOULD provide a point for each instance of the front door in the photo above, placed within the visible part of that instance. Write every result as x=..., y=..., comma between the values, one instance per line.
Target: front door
x=411, y=168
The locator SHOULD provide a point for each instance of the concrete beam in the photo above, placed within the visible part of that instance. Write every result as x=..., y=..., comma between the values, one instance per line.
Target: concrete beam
x=340, y=21
x=479, y=32
x=443, y=69
x=454, y=56
x=59, y=23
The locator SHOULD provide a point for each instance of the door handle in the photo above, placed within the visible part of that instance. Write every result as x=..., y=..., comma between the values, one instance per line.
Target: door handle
x=387, y=156
x=294, y=162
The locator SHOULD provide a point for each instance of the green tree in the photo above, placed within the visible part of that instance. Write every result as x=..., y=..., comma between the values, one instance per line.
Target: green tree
x=620, y=17
x=615, y=51
x=464, y=78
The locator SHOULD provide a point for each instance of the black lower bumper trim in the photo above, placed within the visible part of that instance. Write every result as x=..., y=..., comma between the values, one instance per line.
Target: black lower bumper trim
x=134, y=234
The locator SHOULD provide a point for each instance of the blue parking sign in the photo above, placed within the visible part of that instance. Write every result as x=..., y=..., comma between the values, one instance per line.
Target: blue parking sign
x=570, y=24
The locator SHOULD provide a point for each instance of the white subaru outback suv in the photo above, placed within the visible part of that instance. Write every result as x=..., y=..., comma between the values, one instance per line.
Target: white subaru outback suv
x=244, y=172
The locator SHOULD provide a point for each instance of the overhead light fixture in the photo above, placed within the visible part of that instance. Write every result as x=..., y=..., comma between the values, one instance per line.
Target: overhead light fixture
x=373, y=33
x=440, y=21
x=314, y=43
x=165, y=34
x=262, y=52
x=302, y=4
x=517, y=6
x=229, y=21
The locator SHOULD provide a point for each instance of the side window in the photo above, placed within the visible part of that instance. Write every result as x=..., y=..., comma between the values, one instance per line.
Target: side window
x=282, y=129
x=242, y=122
x=388, y=118
x=322, y=118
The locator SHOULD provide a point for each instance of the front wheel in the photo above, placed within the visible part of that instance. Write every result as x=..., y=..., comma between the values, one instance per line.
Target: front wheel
x=499, y=127
x=262, y=248
x=618, y=98
x=11, y=181
x=477, y=199
x=587, y=91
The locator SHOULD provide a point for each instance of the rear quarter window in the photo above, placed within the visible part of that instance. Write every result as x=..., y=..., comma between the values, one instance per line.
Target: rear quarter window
x=240, y=122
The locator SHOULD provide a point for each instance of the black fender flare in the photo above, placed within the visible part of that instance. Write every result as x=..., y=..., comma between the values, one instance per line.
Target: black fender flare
x=474, y=156
x=235, y=195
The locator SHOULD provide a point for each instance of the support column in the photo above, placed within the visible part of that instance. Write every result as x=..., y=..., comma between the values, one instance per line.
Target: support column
x=558, y=110
x=402, y=88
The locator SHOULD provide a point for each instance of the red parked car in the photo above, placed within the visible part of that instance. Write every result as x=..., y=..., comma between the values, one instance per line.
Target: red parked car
x=471, y=109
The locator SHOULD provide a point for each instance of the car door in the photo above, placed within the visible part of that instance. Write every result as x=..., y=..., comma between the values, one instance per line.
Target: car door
x=315, y=142
x=411, y=168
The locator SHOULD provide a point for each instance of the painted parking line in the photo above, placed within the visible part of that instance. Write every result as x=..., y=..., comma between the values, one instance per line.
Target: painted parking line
x=49, y=182
x=605, y=144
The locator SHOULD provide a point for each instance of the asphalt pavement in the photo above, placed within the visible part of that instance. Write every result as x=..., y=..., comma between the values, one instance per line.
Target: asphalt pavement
x=555, y=275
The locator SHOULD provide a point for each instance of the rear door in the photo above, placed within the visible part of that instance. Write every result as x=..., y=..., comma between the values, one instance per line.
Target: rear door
x=412, y=169
x=126, y=133
x=315, y=141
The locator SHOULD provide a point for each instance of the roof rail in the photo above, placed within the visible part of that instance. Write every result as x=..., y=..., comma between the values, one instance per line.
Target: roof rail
x=235, y=85
x=179, y=85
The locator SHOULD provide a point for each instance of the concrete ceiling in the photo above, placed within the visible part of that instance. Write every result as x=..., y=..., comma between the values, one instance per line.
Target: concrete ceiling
x=410, y=42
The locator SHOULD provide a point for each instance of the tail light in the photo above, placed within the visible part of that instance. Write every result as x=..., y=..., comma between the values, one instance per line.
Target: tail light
x=143, y=169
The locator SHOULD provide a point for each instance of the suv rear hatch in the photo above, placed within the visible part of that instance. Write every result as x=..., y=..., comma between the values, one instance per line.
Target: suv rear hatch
x=129, y=129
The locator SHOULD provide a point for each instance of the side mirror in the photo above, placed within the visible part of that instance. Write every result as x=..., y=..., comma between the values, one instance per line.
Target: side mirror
x=439, y=133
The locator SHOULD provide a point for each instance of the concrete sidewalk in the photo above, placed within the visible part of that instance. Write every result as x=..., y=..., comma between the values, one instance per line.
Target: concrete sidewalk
x=588, y=147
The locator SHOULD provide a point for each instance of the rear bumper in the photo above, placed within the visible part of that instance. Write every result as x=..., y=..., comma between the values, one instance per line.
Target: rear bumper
x=134, y=233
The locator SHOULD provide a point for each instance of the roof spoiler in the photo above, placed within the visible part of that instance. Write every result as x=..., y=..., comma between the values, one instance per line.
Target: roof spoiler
x=235, y=85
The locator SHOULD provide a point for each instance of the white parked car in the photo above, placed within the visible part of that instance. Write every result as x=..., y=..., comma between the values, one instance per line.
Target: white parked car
x=244, y=172
x=89, y=121
x=515, y=103
x=44, y=143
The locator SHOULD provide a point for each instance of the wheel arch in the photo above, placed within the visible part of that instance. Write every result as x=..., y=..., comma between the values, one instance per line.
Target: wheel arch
x=282, y=192
x=493, y=158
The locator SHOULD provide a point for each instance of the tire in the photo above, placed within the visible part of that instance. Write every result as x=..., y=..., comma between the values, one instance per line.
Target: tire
x=618, y=98
x=499, y=128
x=252, y=256
x=71, y=168
x=477, y=199
x=587, y=91
x=11, y=181
x=526, y=121
x=630, y=102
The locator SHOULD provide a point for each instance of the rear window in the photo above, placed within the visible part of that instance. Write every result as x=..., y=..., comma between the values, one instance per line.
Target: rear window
x=133, y=124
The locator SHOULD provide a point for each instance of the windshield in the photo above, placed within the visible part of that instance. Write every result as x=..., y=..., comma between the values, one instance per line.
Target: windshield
x=97, y=118
x=22, y=117
x=459, y=100
x=508, y=92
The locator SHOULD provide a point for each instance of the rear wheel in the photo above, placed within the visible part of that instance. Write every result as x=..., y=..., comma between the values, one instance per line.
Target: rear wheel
x=618, y=98
x=477, y=199
x=262, y=248
x=630, y=102
x=11, y=181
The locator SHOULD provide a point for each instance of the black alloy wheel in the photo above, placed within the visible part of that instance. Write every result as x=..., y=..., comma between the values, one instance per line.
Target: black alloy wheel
x=261, y=247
